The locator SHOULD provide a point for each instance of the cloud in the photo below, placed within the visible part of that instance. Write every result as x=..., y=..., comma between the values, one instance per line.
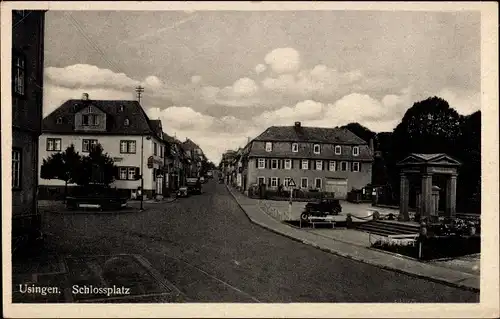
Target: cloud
x=181, y=118
x=303, y=110
x=464, y=102
x=153, y=82
x=195, y=79
x=283, y=60
x=241, y=94
x=55, y=95
x=84, y=75
x=259, y=68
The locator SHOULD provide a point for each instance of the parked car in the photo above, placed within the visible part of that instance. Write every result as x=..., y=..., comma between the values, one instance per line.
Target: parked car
x=193, y=185
x=321, y=208
x=96, y=196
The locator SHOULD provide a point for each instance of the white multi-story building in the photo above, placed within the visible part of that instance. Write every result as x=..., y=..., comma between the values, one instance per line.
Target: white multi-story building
x=124, y=131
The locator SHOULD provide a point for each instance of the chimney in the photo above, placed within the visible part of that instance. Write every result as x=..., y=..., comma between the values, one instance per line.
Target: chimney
x=372, y=149
x=85, y=96
x=297, y=125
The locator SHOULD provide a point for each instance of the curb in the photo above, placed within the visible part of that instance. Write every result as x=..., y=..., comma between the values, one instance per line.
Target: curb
x=348, y=256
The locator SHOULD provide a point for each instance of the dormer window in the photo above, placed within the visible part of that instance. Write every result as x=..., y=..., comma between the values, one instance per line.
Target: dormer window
x=295, y=147
x=126, y=122
x=317, y=149
x=59, y=120
x=355, y=151
x=338, y=150
x=90, y=109
x=90, y=120
x=269, y=146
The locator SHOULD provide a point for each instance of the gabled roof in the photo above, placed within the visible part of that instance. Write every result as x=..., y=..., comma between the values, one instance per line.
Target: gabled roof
x=438, y=159
x=169, y=139
x=335, y=135
x=116, y=110
x=189, y=145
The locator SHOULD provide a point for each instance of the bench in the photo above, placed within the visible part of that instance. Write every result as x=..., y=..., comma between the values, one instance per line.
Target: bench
x=315, y=220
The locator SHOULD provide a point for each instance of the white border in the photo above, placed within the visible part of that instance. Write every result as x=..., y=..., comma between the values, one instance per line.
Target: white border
x=489, y=303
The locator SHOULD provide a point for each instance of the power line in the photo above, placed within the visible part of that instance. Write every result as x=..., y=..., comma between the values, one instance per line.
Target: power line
x=92, y=44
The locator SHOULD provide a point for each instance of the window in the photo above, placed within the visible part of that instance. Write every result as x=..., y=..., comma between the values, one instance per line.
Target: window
x=59, y=120
x=288, y=164
x=274, y=164
x=269, y=146
x=19, y=74
x=355, y=151
x=295, y=147
x=286, y=181
x=123, y=173
x=121, y=108
x=126, y=122
x=305, y=164
x=332, y=167
x=161, y=151
x=355, y=167
x=128, y=173
x=319, y=165
x=317, y=149
x=127, y=147
x=261, y=180
x=303, y=182
x=262, y=163
x=87, y=145
x=338, y=150
x=274, y=182
x=53, y=144
x=317, y=183
x=155, y=150
x=16, y=168
x=343, y=166
x=90, y=119
x=131, y=173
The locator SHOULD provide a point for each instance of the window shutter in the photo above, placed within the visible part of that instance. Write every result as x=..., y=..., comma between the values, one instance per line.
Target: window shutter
x=269, y=181
x=310, y=164
x=256, y=163
x=137, y=173
x=314, y=162
x=291, y=163
x=278, y=181
x=352, y=166
x=278, y=163
x=359, y=166
x=117, y=173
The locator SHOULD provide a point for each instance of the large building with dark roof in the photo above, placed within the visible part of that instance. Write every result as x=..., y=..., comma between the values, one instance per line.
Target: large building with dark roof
x=124, y=131
x=332, y=160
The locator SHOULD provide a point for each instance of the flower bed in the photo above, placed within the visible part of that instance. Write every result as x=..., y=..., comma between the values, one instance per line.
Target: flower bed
x=433, y=247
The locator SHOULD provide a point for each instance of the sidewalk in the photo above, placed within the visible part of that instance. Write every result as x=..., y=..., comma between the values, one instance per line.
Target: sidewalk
x=345, y=243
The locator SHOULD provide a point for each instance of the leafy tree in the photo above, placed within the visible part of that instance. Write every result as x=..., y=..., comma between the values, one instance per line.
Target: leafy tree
x=363, y=132
x=96, y=168
x=62, y=166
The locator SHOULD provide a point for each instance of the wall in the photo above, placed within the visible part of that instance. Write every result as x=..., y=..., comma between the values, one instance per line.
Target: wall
x=355, y=179
x=23, y=198
x=111, y=145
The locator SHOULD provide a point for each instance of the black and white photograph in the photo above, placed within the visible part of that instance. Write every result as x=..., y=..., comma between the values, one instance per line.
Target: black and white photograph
x=213, y=156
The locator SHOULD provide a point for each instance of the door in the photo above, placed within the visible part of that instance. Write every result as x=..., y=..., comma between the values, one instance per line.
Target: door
x=159, y=184
x=338, y=186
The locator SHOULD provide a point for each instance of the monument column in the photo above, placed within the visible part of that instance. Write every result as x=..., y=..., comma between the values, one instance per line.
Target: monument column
x=404, y=190
x=451, y=196
x=426, y=195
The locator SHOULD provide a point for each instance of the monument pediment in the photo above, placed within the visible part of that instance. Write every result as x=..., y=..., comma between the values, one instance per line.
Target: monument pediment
x=439, y=159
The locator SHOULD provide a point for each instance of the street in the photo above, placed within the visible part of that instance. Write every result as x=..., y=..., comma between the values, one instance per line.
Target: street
x=206, y=246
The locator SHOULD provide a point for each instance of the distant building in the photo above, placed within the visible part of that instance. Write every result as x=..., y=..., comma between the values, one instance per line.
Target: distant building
x=176, y=163
x=27, y=97
x=332, y=160
x=195, y=156
x=124, y=131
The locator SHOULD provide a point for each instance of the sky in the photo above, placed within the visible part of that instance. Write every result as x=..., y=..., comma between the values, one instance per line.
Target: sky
x=222, y=77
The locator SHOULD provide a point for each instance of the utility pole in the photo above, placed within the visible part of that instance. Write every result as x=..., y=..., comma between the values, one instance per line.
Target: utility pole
x=139, y=90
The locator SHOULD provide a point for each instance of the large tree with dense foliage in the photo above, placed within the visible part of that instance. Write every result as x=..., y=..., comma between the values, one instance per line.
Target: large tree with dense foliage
x=63, y=166
x=96, y=168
